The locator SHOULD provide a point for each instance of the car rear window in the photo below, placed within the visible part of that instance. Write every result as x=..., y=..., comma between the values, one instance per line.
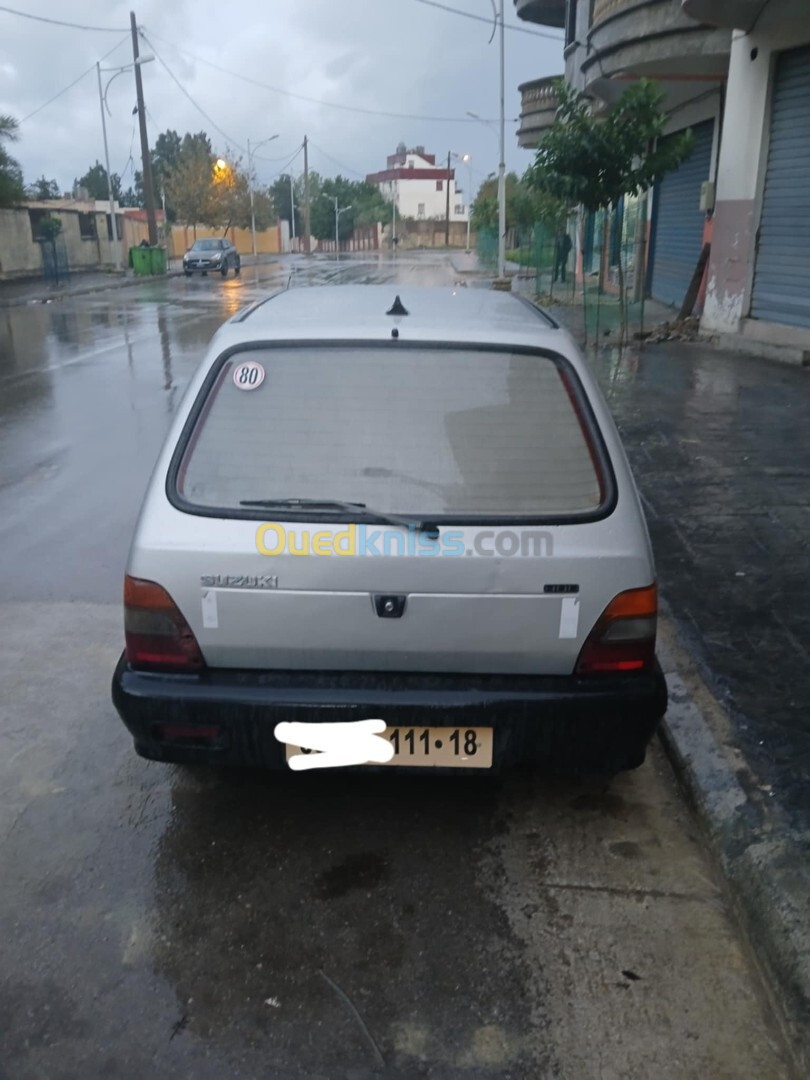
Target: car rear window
x=451, y=431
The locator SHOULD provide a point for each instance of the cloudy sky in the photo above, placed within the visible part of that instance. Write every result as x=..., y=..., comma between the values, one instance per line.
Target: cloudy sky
x=386, y=56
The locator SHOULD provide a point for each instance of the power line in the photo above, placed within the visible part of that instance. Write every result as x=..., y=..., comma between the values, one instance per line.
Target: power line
x=60, y=22
x=484, y=19
x=334, y=161
x=130, y=160
x=281, y=157
x=197, y=106
x=284, y=167
x=72, y=84
x=312, y=100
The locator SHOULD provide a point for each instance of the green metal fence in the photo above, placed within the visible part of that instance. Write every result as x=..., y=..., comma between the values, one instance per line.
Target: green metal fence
x=486, y=244
x=596, y=264
x=593, y=265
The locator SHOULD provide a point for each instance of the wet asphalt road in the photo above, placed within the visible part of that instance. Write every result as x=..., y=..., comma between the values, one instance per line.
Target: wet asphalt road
x=163, y=922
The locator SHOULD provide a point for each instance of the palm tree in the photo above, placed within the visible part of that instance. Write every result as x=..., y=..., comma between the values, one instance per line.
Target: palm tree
x=11, y=180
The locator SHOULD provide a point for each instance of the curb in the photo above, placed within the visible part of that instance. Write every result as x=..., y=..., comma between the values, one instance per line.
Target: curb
x=122, y=283
x=764, y=861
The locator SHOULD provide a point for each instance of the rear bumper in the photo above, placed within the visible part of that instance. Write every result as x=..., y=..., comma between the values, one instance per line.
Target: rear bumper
x=600, y=724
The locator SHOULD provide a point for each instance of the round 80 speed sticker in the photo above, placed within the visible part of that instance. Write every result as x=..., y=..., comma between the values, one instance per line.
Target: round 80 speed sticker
x=248, y=375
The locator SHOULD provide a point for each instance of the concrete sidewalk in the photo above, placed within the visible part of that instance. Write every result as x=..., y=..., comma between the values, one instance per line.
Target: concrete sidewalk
x=720, y=447
x=468, y=262
x=39, y=291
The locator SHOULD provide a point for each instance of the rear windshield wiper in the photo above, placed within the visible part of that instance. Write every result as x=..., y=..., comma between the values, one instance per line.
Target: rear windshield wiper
x=344, y=507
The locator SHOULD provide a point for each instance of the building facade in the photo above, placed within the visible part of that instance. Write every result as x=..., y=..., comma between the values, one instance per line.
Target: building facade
x=84, y=243
x=758, y=282
x=419, y=187
x=737, y=73
x=608, y=45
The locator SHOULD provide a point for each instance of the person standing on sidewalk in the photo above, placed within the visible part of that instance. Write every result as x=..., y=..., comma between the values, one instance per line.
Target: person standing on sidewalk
x=562, y=248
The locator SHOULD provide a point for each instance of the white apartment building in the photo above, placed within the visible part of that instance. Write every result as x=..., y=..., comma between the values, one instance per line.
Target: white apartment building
x=418, y=186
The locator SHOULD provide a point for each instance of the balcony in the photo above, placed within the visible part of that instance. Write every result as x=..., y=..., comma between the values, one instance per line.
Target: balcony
x=545, y=12
x=745, y=14
x=653, y=38
x=538, y=107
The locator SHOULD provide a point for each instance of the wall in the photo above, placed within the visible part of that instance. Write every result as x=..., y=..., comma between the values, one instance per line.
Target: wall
x=268, y=241
x=740, y=180
x=364, y=238
x=21, y=254
x=427, y=234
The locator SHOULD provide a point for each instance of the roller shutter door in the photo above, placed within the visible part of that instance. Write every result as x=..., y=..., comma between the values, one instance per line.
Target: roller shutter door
x=782, y=275
x=678, y=221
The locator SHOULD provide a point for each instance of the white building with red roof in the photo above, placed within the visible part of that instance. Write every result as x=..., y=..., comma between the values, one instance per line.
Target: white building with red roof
x=418, y=186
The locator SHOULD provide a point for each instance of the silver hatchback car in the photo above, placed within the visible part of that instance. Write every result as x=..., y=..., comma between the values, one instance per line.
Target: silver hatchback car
x=391, y=531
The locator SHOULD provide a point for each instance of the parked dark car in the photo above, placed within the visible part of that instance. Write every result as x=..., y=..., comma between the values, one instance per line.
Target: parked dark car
x=214, y=253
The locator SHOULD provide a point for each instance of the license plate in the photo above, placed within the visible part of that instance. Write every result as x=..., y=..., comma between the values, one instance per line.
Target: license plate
x=455, y=748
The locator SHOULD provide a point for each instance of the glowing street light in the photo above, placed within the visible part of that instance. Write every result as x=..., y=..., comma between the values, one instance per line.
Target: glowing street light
x=251, y=151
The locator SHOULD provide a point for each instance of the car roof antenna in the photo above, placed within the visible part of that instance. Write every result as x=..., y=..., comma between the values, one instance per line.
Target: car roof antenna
x=397, y=308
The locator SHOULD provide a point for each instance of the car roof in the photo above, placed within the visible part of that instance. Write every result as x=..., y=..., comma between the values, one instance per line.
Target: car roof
x=361, y=312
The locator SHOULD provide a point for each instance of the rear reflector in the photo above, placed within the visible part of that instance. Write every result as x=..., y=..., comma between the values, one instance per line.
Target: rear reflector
x=623, y=638
x=158, y=638
x=205, y=735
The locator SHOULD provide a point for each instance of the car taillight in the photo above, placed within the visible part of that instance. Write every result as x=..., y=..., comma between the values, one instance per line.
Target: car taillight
x=623, y=638
x=158, y=638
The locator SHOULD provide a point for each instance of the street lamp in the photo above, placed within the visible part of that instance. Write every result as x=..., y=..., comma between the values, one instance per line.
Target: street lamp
x=251, y=151
x=465, y=158
x=338, y=212
x=292, y=209
x=502, y=162
x=102, y=101
x=501, y=169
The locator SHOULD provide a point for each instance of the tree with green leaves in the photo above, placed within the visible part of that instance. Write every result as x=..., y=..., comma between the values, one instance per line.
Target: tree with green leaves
x=43, y=190
x=94, y=183
x=230, y=203
x=189, y=188
x=11, y=178
x=594, y=161
x=525, y=206
x=281, y=196
x=164, y=155
x=367, y=206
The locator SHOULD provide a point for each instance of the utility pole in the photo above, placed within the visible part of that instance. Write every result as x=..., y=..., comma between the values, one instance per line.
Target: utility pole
x=447, y=210
x=307, y=228
x=502, y=164
x=148, y=190
x=116, y=244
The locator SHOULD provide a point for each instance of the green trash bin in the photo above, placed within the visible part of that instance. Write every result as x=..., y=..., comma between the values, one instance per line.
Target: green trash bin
x=157, y=260
x=141, y=260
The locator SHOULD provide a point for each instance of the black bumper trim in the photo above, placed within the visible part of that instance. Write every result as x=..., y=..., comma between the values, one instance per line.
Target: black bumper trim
x=566, y=722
